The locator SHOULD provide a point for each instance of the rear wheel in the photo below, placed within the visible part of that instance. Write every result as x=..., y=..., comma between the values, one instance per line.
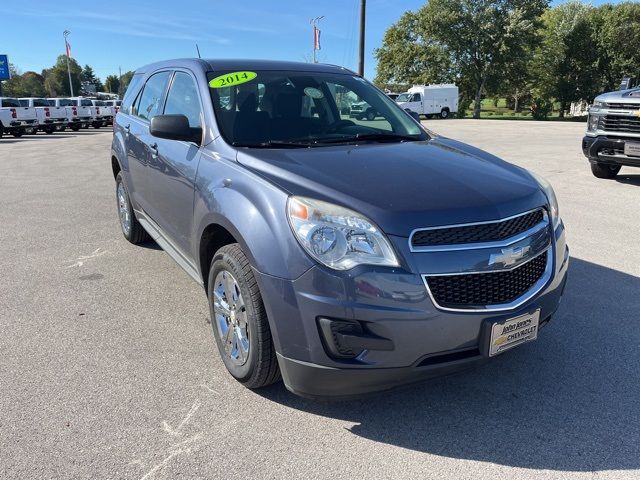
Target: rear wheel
x=239, y=320
x=131, y=228
x=371, y=115
x=602, y=170
x=49, y=130
x=18, y=132
x=75, y=128
x=444, y=113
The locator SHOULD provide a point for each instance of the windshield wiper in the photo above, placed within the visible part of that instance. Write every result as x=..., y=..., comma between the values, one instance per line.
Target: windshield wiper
x=376, y=137
x=274, y=143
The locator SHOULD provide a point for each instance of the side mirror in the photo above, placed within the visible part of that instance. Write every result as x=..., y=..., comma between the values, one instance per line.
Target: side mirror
x=174, y=127
x=415, y=115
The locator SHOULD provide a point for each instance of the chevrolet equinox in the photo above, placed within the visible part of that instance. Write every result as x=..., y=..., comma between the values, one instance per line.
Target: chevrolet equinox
x=343, y=255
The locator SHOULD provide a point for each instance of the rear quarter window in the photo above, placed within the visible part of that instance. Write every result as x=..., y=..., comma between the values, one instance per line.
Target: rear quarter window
x=132, y=92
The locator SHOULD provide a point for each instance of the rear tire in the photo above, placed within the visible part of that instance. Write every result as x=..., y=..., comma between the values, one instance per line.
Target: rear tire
x=49, y=130
x=17, y=133
x=601, y=170
x=371, y=115
x=75, y=128
x=444, y=114
x=239, y=320
x=131, y=228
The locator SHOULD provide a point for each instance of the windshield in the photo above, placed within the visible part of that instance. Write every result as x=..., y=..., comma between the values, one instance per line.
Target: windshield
x=403, y=97
x=272, y=108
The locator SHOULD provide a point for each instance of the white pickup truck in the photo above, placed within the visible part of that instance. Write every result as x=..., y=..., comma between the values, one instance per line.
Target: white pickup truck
x=115, y=106
x=82, y=102
x=104, y=113
x=16, y=119
x=78, y=115
x=50, y=118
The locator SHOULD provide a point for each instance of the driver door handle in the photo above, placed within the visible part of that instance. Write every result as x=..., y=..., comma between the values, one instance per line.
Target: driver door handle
x=127, y=129
x=154, y=150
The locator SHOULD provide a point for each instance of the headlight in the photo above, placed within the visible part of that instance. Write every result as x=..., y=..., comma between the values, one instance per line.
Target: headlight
x=597, y=105
x=336, y=236
x=592, y=124
x=551, y=196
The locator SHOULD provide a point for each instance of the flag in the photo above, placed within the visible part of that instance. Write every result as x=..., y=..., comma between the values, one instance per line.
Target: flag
x=68, y=47
x=316, y=38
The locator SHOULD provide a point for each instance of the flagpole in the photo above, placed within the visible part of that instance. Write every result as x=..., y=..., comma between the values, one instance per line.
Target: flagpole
x=314, y=24
x=66, y=51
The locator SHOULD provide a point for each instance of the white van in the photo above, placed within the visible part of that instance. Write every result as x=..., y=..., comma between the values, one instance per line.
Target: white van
x=430, y=100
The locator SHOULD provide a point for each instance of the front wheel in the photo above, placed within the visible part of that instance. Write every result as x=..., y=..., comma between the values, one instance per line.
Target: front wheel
x=239, y=319
x=601, y=170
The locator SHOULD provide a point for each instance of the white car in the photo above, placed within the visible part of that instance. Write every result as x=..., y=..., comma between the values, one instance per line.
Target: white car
x=50, y=118
x=16, y=119
x=430, y=100
x=104, y=113
x=77, y=116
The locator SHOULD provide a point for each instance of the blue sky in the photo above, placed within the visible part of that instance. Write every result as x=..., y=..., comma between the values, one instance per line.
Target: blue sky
x=131, y=33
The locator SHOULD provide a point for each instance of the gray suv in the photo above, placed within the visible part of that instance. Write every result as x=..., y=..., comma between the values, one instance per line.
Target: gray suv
x=344, y=256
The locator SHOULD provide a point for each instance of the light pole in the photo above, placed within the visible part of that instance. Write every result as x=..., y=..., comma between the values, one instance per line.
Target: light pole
x=65, y=34
x=363, y=9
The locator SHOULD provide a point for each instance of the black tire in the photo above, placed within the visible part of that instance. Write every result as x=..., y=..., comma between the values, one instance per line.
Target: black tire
x=17, y=132
x=444, y=113
x=75, y=128
x=261, y=367
x=602, y=170
x=136, y=233
x=49, y=130
x=97, y=125
x=371, y=115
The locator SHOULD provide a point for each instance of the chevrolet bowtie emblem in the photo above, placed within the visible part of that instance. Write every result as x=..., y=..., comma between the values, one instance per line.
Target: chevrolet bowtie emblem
x=509, y=256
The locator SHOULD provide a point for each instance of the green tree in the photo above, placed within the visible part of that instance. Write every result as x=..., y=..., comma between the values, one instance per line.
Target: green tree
x=125, y=79
x=617, y=38
x=474, y=41
x=407, y=57
x=56, y=78
x=13, y=86
x=565, y=64
x=89, y=76
x=112, y=84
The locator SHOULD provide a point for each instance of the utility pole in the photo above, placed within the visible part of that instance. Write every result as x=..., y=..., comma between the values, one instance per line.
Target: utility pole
x=316, y=36
x=363, y=9
x=67, y=52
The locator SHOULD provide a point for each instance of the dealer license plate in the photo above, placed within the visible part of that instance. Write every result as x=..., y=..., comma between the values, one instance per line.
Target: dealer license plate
x=632, y=149
x=513, y=332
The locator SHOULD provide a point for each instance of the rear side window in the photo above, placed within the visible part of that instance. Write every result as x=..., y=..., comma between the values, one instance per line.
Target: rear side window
x=24, y=103
x=131, y=93
x=183, y=99
x=10, y=102
x=40, y=102
x=86, y=103
x=148, y=106
x=65, y=102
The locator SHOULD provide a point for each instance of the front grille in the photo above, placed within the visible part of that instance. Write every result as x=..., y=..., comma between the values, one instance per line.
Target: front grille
x=483, y=232
x=619, y=123
x=485, y=289
x=624, y=106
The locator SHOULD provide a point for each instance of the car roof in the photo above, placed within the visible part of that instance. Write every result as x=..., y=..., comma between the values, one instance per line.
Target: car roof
x=243, y=64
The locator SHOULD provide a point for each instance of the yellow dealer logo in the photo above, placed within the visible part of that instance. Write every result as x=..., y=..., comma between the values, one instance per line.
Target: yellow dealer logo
x=500, y=340
x=637, y=114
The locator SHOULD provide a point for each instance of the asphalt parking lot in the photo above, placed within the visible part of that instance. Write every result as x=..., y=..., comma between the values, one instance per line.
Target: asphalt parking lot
x=108, y=367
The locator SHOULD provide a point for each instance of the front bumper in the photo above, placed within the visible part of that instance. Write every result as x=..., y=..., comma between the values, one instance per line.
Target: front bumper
x=393, y=304
x=609, y=150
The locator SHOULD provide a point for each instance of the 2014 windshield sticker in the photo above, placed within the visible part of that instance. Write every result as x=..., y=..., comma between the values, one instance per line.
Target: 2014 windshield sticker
x=231, y=79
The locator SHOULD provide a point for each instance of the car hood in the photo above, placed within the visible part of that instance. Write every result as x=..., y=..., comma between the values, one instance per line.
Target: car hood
x=403, y=186
x=628, y=96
